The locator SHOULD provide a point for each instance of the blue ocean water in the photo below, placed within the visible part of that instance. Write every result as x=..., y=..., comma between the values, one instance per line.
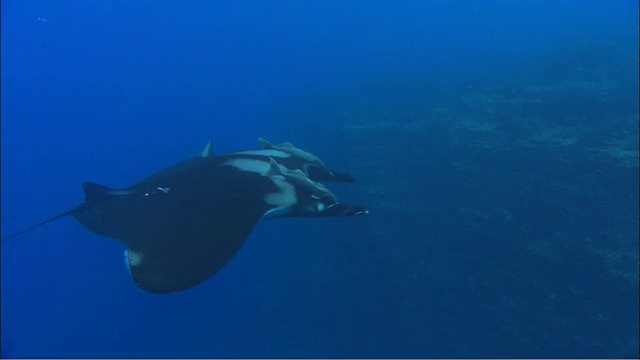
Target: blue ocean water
x=494, y=142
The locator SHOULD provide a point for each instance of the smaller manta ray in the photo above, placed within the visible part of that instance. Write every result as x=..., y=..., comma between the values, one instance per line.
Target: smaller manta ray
x=184, y=223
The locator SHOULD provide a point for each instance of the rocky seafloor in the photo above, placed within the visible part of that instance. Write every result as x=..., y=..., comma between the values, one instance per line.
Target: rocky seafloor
x=504, y=210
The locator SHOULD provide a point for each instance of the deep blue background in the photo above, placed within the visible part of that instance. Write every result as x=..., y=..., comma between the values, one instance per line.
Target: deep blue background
x=111, y=91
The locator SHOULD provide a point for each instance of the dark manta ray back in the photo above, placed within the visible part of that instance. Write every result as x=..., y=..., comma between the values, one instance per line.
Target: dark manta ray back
x=184, y=223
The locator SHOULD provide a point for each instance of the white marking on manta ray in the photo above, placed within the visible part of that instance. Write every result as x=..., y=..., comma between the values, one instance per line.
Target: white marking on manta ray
x=300, y=180
x=283, y=200
x=276, y=212
x=250, y=165
x=120, y=192
x=266, y=152
x=132, y=258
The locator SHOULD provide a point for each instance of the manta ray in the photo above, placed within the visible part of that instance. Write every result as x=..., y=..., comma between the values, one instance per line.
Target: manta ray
x=183, y=224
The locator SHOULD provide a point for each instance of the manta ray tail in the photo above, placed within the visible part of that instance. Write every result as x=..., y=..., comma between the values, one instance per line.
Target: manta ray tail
x=39, y=224
x=92, y=193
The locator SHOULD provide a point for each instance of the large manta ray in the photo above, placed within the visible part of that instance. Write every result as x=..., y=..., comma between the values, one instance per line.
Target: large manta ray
x=184, y=223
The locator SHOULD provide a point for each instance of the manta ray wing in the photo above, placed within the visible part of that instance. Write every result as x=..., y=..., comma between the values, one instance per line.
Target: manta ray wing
x=190, y=248
x=183, y=224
